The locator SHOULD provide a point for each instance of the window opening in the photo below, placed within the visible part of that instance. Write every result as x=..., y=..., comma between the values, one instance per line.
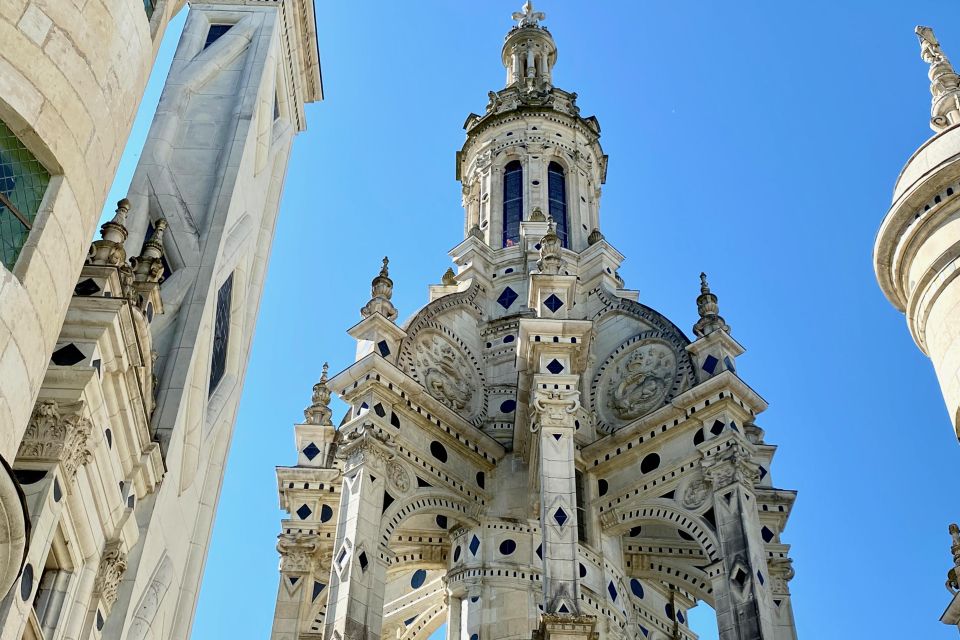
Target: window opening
x=214, y=33
x=221, y=333
x=512, y=202
x=557, y=193
x=23, y=181
x=581, y=511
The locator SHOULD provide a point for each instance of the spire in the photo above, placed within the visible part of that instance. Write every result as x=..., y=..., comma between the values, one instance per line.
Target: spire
x=148, y=266
x=319, y=410
x=944, y=82
x=710, y=318
x=109, y=250
x=550, y=260
x=381, y=290
x=529, y=52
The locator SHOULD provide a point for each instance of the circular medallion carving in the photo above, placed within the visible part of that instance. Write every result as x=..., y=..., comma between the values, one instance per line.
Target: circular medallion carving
x=398, y=476
x=696, y=494
x=445, y=372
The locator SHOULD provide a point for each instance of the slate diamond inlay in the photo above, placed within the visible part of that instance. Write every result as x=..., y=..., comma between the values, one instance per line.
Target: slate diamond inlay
x=710, y=364
x=507, y=298
x=474, y=545
x=383, y=348
x=560, y=516
x=311, y=451
x=553, y=303
x=304, y=512
x=555, y=367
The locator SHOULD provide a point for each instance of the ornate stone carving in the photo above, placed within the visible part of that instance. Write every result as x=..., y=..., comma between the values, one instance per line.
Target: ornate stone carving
x=554, y=408
x=781, y=573
x=528, y=17
x=113, y=563
x=365, y=444
x=445, y=372
x=319, y=410
x=550, y=260
x=944, y=81
x=381, y=291
x=398, y=476
x=58, y=433
x=696, y=494
x=643, y=379
x=953, y=582
x=731, y=465
x=297, y=552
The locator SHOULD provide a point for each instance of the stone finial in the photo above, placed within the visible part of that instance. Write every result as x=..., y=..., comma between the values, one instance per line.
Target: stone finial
x=550, y=260
x=381, y=290
x=109, y=250
x=527, y=17
x=148, y=266
x=944, y=82
x=537, y=215
x=449, y=278
x=709, y=310
x=594, y=237
x=319, y=410
x=953, y=580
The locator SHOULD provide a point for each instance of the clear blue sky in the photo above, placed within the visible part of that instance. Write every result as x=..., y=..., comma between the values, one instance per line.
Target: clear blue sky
x=757, y=141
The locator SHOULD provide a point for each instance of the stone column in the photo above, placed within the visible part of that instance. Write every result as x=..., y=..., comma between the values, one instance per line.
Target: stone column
x=555, y=402
x=742, y=586
x=297, y=565
x=358, y=571
x=454, y=606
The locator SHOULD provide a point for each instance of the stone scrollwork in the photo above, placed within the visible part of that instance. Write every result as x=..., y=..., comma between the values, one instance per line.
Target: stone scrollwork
x=58, y=433
x=445, y=372
x=365, y=444
x=554, y=408
x=113, y=564
x=297, y=552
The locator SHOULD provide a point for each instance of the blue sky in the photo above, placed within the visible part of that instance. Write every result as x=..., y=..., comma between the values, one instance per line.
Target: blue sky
x=757, y=141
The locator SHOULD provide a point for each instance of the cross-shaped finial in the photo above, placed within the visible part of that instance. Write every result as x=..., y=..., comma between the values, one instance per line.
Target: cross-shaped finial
x=528, y=17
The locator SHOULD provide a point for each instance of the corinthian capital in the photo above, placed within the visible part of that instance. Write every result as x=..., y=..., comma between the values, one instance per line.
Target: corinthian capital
x=729, y=466
x=113, y=563
x=554, y=408
x=364, y=444
x=298, y=552
x=58, y=433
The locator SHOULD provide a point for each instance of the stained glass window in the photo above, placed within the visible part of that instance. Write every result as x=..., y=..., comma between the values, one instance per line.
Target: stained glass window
x=512, y=202
x=23, y=181
x=557, y=192
x=221, y=333
x=214, y=33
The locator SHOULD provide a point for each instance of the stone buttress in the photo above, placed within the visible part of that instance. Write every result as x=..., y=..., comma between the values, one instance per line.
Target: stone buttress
x=535, y=453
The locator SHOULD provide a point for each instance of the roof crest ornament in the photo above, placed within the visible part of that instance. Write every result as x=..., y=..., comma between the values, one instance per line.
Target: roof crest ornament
x=381, y=291
x=944, y=81
x=528, y=17
x=319, y=410
x=709, y=310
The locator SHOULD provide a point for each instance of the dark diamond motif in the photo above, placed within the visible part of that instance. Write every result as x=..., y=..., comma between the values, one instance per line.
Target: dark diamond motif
x=507, y=298
x=67, y=356
x=563, y=609
x=474, y=545
x=304, y=512
x=86, y=287
x=317, y=588
x=729, y=363
x=612, y=590
x=294, y=580
x=383, y=348
x=553, y=303
x=311, y=451
x=710, y=364
x=555, y=367
x=561, y=516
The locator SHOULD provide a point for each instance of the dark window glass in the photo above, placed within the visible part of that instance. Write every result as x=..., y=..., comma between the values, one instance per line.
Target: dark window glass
x=214, y=33
x=221, y=333
x=23, y=181
x=581, y=512
x=557, y=192
x=512, y=202
x=276, y=107
x=149, y=6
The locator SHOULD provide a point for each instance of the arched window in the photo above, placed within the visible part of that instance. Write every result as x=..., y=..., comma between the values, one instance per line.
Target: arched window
x=557, y=193
x=512, y=202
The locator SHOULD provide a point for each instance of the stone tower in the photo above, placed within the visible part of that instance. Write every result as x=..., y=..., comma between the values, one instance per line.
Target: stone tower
x=122, y=460
x=535, y=453
x=917, y=251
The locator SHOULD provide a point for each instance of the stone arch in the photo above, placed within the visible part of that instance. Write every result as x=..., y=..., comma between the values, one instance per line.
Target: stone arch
x=621, y=520
x=433, y=502
x=681, y=575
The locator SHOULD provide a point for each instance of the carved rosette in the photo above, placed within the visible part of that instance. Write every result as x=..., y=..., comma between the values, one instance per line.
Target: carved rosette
x=298, y=552
x=731, y=466
x=446, y=373
x=58, y=433
x=365, y=445
x=640, y=376
x=113, y=563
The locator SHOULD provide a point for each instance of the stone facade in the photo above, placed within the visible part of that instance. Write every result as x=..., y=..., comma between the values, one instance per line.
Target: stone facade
x=917, y=252
x=535, y=454
x=119, y=461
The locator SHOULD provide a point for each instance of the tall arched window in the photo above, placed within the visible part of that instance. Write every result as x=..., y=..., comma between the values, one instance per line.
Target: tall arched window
x=557, y=192
x=512, y=202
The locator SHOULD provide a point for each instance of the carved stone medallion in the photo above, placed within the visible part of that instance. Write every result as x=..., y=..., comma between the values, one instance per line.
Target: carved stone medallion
x=639, y=377
x=696, y=494
x=445, y=372
x=398, y=476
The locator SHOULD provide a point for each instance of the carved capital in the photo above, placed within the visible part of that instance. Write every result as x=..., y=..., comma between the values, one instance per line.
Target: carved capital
x=298, y=552
x=781, y=573
x=113, y=564
x=58, y=433
x=732, y=465
x=554, y=408
x=365, y=445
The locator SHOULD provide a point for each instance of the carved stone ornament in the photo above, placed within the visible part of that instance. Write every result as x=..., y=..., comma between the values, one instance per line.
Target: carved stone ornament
x=297, y=552
x=365, y=444
x=398, y=476
x=696, y=494
x=729, y=466
x=113, y=563
x=640, y=380
x=58, y=433
x=445, y=372
x=554, y=408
